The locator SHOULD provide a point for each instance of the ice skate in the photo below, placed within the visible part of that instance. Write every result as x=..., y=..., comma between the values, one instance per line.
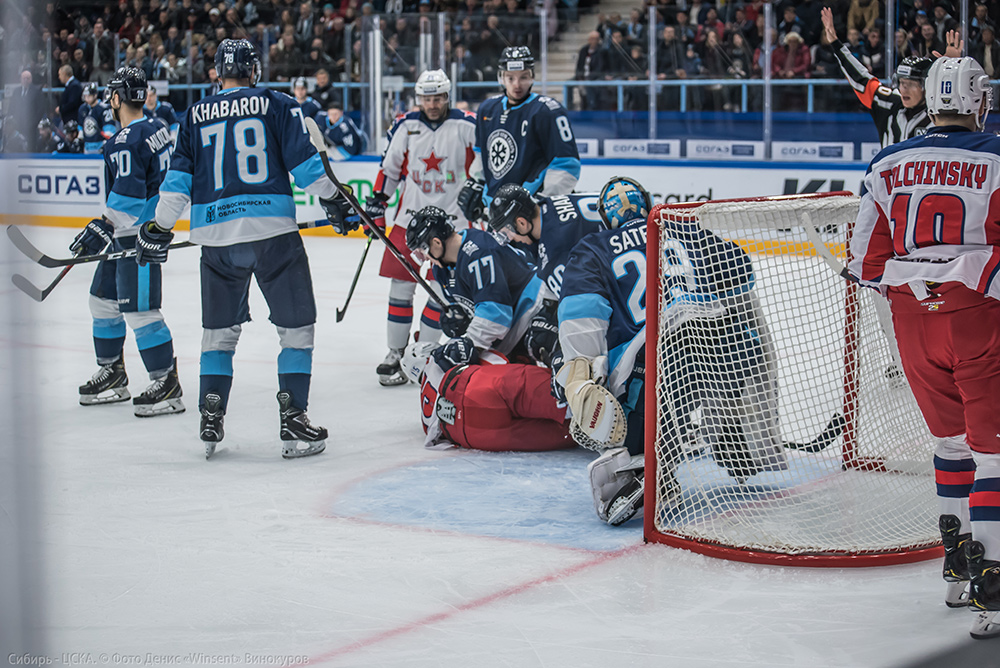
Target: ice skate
x=389, y=372
x=299, y=438
x=984, y=591
x=956, y=566
x=628, y=501
x=162, y=397
x=211, y=423
x=108, y=386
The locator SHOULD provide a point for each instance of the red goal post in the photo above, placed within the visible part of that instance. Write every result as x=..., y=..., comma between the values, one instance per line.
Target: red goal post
x=778, y=427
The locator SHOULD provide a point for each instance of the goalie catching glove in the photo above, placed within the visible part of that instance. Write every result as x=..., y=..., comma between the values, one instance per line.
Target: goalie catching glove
x=152, y=244
x=598, y=421
x=94, y=238
x=342, y=216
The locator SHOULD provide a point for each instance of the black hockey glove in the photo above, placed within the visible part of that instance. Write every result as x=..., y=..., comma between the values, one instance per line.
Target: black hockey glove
x=152, y=244
x=543, y=334
x=558, y=391
x=342, y=216
x=94, y=238
x=454, y=320
x=375, y=208
x=470, y=199
x=455, y=352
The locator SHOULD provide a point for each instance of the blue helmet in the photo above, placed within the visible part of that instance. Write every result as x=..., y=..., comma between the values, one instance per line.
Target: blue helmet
x=237, y=59
x=622, y=201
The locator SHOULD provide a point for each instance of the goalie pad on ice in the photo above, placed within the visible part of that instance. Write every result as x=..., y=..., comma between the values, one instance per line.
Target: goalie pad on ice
x=598, y=420
x=610, y=475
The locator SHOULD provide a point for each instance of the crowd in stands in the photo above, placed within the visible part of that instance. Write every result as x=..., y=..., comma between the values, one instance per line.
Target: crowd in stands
x=699, y=40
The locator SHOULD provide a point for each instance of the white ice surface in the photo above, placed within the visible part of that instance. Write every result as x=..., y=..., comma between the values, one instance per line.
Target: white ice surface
x=377, y=552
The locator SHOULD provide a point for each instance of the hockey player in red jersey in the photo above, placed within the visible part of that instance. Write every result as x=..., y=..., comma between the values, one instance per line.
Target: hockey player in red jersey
x=928, y=237
x=479, y=401
x=429, y=154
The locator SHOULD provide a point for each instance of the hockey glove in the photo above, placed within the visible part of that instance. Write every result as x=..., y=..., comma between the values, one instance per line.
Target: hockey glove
x=455, y=320
x=455, y=352
x=598, y=420
x=375, y=208
x=557, y=363
x=94, y=238
x=152, y=244
x=470, y=199
x=543, y=334
x=342, y=216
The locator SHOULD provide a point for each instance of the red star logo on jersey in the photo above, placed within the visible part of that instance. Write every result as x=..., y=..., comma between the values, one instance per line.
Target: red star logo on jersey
x=432, y=162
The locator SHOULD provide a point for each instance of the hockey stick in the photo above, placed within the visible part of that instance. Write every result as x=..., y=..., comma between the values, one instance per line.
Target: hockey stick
x=22, y=244
x=821, y=442
x=316, y=137
x=354, y=284
x=36, y=293
x=824, y=251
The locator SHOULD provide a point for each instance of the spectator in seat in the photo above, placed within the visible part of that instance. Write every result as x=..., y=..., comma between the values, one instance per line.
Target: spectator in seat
x=637, y=97
x=670, y=65
x=739, y=56
x=711, y=22
x=635, y=30
x=863, y=14
x=789, y=23
x=590, y=67
x=792, y=59
x=979, y=18
x=904, y=48
x=714, y=65
x=618, y=66
x=928, y=43
x=685, y=31
x=102, y=56
x=943, y=21
x=286, y=63
x=876, y=53
x=986, y=52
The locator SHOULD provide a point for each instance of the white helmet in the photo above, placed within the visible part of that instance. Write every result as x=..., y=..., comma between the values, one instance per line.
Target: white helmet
x=415, y=359
x=957, y=86
x=433, y=82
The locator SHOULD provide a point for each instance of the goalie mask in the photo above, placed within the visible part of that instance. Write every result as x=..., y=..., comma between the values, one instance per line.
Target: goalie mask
x=622, y=201
x=958, y=86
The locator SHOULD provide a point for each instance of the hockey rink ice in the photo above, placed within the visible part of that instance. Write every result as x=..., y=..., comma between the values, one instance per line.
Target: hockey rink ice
x=379, y=553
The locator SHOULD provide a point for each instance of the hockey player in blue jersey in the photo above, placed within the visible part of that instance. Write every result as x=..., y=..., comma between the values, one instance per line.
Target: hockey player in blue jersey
x=234, y=153
x=341, y=134
x=310, y=107
x=546, y=230
x=135, y=161
x=157, y=108
x=97, y=120
x=522, y=138
x=492, y=282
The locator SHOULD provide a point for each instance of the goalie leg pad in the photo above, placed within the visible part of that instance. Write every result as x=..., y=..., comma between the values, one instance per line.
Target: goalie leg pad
x=614, y=476
x=598, y=420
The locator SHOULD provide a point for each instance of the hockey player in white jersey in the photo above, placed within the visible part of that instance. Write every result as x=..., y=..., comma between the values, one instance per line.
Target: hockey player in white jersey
x=429, y=155
x=927, y=237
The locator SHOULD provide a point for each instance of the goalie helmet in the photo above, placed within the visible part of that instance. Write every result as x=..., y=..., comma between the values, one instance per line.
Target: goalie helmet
x=433, y=82
x=622, y=201
x=237, y=59
x=428, y=223
x=516, y=59
x=958, y=86
x=415, y=359
x=130, y=84
x=912, y=67
x=512, y=201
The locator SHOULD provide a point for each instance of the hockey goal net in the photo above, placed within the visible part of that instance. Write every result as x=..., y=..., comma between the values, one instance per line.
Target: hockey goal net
x=779, y=427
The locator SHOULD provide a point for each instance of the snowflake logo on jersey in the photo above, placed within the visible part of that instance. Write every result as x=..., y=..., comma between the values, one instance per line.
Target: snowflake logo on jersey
x=502, y=152
x=89, y=126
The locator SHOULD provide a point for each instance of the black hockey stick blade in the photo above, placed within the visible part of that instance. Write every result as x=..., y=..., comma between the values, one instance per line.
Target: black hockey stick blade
x=350, y=293
x=821, y=442
x=317, y=140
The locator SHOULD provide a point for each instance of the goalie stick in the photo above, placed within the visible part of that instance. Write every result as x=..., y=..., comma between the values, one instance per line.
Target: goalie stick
x=316, y=137
x=350, y=293
x=821, y=442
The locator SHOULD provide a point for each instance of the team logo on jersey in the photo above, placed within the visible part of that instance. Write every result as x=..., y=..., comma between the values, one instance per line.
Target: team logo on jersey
x=209, y=213
x=89, y=126
x=503, y=152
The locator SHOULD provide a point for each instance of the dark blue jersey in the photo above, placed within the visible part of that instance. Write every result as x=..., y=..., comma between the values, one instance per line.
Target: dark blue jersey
x=311, y=108
x=344, y=136
x=234, y=153
x=531, y=144
x=497, y=284
x=565, y=219
x=135, y=160
x=164, y=111
x=97, y=124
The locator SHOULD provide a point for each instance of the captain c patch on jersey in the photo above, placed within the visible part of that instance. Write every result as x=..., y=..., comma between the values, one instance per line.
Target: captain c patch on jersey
x=503, y=152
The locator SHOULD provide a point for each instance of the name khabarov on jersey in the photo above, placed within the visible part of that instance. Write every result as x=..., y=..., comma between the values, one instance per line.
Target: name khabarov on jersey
x=245, y=106
x=935, y=172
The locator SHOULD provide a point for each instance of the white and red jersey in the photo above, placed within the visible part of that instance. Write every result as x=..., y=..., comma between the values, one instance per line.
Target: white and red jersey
x=930, y=211
x=433, y=407
x=430, y=160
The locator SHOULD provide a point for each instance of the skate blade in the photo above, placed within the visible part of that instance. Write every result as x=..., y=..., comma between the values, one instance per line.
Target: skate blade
x=957, y=594
x=296, y=449
x=210, y=448
x=986, y=625
x=393, y=380
x=113, y=396
x=624, y=508
x=168, y=407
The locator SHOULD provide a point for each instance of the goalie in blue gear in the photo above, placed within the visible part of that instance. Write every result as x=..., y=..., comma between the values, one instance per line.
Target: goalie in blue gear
x=522, y=138
x=234, y=153
x=602, y=321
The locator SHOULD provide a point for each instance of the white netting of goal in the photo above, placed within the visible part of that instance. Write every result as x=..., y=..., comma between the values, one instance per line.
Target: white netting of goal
x=784, y=425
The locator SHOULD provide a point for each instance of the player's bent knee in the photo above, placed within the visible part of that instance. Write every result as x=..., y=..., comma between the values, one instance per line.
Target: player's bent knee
x=103, y=308
x=224, y=339
x=138, y=319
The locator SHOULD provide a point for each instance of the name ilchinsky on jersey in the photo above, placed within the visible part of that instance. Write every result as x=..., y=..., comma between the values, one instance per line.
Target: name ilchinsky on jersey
x=256, y=105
